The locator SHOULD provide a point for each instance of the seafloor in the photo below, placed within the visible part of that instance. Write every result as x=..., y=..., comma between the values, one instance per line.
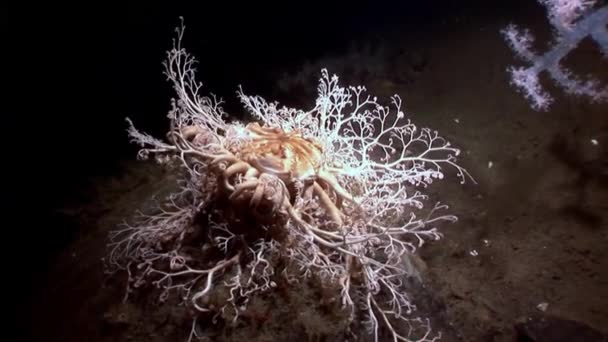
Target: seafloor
x=531, y=236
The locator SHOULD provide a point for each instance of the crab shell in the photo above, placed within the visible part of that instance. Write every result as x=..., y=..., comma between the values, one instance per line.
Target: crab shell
x=288, y=155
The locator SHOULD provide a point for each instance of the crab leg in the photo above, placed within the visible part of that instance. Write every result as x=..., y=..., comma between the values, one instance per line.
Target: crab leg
x=329, y=206
x=333, y=183
x=252, y=173
x=189, y=132
x=308, y=192
x=240, y=167
x=226, y=157
x=257, y=196
x=239, y=189
x=278, y=196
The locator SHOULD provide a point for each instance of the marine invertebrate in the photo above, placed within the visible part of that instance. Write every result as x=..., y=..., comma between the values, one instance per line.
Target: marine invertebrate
x=572, y=21
x=330, y=193
x=274, y=161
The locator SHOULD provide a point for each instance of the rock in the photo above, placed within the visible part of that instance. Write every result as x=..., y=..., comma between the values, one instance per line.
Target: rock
x=543, y=327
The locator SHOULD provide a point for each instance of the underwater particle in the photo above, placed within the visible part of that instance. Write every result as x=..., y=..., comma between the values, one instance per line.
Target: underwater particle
x=542, y=306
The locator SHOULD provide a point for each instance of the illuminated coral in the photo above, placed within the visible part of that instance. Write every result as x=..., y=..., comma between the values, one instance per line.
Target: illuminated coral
x=573, y=21
x=328, y=193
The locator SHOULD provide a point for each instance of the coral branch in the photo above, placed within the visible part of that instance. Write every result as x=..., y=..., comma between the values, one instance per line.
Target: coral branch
x=573, y=21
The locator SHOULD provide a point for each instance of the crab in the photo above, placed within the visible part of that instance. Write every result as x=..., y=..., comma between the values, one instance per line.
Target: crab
x=271, y=166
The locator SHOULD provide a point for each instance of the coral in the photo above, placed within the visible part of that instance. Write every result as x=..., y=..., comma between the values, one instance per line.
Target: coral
x=330, y=195
x=572, y=21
